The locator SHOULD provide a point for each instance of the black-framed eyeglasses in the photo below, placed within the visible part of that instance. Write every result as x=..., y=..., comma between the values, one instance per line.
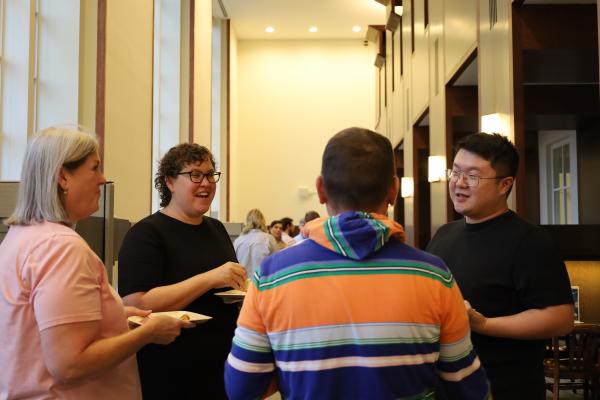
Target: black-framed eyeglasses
x=471, y=179
x=198, y=177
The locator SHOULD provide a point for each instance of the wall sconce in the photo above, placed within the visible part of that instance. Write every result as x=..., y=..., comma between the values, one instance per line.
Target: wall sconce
x=436, y=168
x=407, y=187
x=398, y=10
x=304, y=192
x=492, y=123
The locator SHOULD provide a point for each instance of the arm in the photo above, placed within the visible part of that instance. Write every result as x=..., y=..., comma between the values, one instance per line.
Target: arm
x=250, y=366
x=460, y=370
x=544, y=290
x=529, y=324
x=178, y=295
x=73, y=351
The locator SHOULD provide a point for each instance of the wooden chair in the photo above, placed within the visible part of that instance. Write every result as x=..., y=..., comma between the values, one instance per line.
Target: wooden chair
x=575, y=358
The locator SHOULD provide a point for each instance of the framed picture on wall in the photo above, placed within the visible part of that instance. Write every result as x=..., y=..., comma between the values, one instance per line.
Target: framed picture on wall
x=577, y=311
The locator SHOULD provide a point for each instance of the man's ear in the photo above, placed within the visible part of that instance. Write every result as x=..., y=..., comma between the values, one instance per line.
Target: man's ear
x=321, y=190
x=506, y=184
x=393, y=191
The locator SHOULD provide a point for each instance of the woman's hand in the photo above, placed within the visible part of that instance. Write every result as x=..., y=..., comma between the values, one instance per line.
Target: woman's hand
x=229, y=274
x=165, y=329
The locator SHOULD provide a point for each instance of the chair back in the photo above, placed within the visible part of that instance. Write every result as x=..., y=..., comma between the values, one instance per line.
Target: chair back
x=583, y=345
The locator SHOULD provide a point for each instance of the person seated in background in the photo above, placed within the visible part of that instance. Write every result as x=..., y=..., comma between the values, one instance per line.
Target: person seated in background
x=254, y=244
x=275, y=230
x=353, y=312
x=176, y=259
x=64, y=328
x=309, y=216
x=287, y=229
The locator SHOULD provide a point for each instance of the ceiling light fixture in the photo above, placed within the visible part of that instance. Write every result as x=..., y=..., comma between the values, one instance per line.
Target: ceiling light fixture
x=269, y=29
x=356, y=28
x=313, y=29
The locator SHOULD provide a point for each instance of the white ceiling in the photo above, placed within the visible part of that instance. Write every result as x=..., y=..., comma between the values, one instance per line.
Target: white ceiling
x=292, y=18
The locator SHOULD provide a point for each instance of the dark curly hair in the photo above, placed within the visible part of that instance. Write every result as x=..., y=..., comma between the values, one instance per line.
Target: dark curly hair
x=174, y=161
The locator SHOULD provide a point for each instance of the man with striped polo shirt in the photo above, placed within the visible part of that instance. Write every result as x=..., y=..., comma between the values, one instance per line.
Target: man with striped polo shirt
x=353, y=312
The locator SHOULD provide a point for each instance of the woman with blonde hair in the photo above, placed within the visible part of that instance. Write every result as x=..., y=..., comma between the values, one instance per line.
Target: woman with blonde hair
x=64, y=329
x=254, y=244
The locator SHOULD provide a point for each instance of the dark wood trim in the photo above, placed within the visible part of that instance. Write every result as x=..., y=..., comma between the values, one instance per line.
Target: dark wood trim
x=228, y=123
x=401, y=50
x=547, y=26
x=459, y=102
x=542, y=99
x=152, y=89
x=449, y=148
x=420, y=142
x=575, y=242
x=519, y=107
x=393, y=62
x=101, y=75
x=191, y=88
x=426, y=13
x=399, y=204
x=598, y=30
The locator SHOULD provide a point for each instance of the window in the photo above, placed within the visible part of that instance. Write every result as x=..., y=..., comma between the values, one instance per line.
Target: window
x=558, y=177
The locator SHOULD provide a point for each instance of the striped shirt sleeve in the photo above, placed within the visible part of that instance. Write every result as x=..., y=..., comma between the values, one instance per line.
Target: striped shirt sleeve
x=250, y=366
x=461, y=372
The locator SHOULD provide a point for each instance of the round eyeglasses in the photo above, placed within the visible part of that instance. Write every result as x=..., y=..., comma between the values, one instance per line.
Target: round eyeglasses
x=471, y=179
x=198, y=177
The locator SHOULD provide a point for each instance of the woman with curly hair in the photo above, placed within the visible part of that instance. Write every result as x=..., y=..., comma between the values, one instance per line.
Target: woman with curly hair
x=174, y=259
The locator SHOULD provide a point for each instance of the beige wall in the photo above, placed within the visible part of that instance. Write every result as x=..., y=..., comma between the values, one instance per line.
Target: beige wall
x=289, y=97
x=128, y=118
x=437, y=111
x=460, y=33
x=202, y=71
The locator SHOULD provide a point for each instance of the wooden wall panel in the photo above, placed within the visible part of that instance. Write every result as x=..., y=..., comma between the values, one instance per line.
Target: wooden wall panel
x=586, y=275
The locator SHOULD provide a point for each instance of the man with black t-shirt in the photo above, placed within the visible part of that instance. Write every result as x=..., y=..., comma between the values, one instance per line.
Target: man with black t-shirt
x=515, y=284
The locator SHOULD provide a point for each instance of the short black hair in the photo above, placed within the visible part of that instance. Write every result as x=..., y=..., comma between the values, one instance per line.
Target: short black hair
x=495, y=148
x=173, y=161
x=310, y=215
x=285, y=222
x=273, y=223
x=358, y=168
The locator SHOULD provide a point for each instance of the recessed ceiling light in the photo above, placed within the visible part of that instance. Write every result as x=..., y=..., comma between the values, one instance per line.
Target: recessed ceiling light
x=269, y=29
x=313, y=29
x=356, y=28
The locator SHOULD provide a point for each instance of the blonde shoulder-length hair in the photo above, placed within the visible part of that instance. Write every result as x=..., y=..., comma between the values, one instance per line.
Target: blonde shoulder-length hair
x=255, y=220
x=49, y=150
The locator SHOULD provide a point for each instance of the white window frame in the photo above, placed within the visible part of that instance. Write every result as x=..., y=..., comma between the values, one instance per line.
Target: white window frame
x=547, y=140
x=169, y=96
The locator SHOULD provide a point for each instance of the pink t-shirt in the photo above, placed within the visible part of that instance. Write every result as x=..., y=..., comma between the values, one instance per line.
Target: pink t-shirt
x=49, y=276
